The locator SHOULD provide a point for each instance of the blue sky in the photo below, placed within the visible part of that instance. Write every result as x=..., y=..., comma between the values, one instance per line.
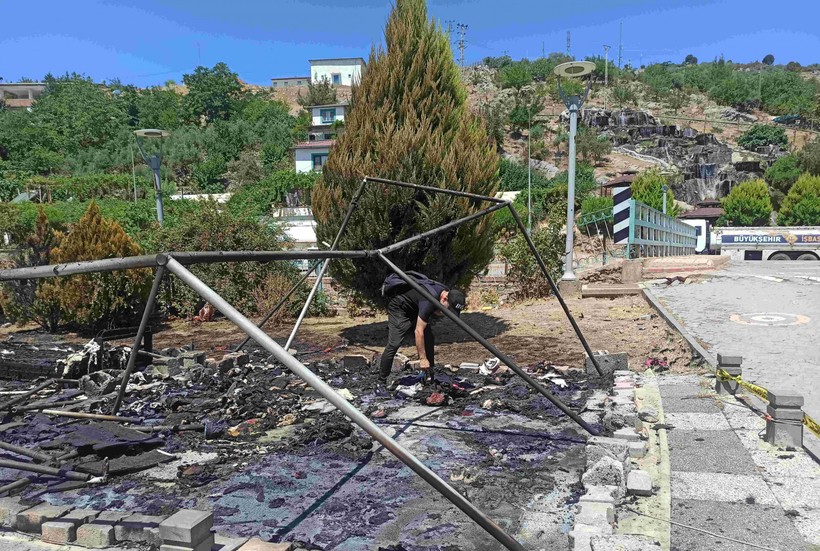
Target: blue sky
x=151, y=41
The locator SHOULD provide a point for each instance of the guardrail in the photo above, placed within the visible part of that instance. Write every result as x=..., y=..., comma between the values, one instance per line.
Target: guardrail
x=653, y=233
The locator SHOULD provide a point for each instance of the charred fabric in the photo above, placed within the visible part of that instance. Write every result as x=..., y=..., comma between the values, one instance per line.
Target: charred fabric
x=65, y=431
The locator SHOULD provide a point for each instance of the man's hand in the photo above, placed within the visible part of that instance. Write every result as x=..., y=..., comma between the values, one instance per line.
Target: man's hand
x=424, y=364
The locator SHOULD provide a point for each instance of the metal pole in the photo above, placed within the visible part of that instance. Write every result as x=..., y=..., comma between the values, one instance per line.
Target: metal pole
x=42, y=469
x=489, y=346
x=435, y=189
x=133, y=171
x=98, y=417
x=23, y=397
x=83, y=267
x=529, y=174
x=34, y=454
x=555, y=291
x=569, y=273
x=321, y=273
x=343, y=405
x=158, y=188
x=132, y=357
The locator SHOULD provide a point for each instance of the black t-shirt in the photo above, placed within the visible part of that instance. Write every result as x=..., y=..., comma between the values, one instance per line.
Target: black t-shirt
x=417, y=306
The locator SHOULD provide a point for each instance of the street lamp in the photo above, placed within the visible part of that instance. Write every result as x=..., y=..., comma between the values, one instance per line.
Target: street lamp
x=572, y=69
x=154, y=161
x=664, y=189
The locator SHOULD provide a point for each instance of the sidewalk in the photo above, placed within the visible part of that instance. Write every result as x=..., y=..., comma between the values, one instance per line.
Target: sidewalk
x=726, y=480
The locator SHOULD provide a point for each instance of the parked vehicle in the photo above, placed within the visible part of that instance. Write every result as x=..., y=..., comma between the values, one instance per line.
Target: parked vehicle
x=761, y=243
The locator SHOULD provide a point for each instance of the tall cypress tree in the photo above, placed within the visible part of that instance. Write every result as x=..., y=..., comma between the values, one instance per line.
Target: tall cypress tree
x=408, y=120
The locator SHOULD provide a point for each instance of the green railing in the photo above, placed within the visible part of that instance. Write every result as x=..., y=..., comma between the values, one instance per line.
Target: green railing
x=653, y=233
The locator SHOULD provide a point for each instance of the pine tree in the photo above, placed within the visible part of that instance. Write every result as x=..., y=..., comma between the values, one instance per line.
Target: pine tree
x=408, y=120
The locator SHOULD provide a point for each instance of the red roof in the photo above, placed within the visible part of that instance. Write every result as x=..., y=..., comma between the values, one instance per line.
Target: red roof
x=703, y=212
x=314, y=144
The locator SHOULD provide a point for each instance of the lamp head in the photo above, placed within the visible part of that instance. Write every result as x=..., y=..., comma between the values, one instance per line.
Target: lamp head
x=151, y=133
x=574, y=69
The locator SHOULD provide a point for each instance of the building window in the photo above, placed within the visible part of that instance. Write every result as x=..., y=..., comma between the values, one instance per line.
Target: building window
x=298, y=82
x=327, y=115
x=319, y=160
x=275, y=84
x=337, y=78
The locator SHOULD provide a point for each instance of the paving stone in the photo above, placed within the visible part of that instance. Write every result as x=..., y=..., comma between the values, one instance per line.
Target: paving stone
x=152, y=537
x=774, y=462
x=639, y=483
x=79, y=516
x=623, y=542
x=356, y=361
x=111, y=517
x=31, y=520
x=600, y=446
x=627, y=434
x=589, y=511
x=637, y=449
x=606, y=472
x=256, y=544
x=721, y=487
x=10, y=507
x=688, y=398
x=204, y=545
x=56, y=531
x=793, y=493
x=133, y=527
x=95, y=535
x=807, y=522
x=581, y=534
x=228, y=543
x=726, y=454
x=729, y=360
x=697, y=421
x=598, y=494
x=187, y=526
x=755, y=523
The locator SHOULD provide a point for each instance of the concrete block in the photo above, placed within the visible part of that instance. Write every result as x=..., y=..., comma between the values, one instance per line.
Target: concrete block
x=623, y=373
x=785, y=400
x=80, y=516
x=569, y=288
x=10, y=507
x=627, y=434
x=785, y=414
x=606, y=472
x=728, y=387
x=785, y=429
x=256, y=544
x=600, y=446
x=59, y=532
x=623, y=542
x=152, y=537
x=637, y=449
x=356, y=361
x=111, y=517
x=632, y=271
x=228, y=543
x=589, y=511
x=610, y=363
x=133, y=527
x=187, y=526
x=729, y=360
x=31, y=520
x=639, y=483
x=204, y=545
x=95, y=536
x=581, y=535
x=597, y=494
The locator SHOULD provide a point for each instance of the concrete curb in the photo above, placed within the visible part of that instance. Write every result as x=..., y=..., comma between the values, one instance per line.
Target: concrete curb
x=673, y=322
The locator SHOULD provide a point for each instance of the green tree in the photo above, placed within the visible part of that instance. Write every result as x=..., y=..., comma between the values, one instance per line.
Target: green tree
x=419, y=131
x=761, y=135
x=256, y=200
x=748, y=204
x=159, y=108
x=593, y=148
x=515, y=76
x=780, y=176
x=524, y=271
x=624, y=95
x=768, y=59
x=801, y=207
x=648, y=189
x=690, y=60
x=809, y=157
x=318, y=93
x=212, y=94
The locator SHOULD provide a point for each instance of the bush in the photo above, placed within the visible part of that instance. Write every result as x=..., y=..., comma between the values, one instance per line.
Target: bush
x=255, y=200
x=748, y=204
x=91, y=302
x=648, y=189
x=780, y=176
x=809, y=157
x=595, y=203
x=514, y=176
x=210, y=229
x=801, y=207
x=515, y=76
x=592, y=147
x=524, y=271
x=761, y=135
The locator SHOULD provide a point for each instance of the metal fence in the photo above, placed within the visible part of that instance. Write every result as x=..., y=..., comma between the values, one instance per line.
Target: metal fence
x=653, y=233
x=177, y=262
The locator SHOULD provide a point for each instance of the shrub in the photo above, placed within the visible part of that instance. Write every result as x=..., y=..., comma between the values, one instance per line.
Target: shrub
x=515, y=76
x=96, y=301
x=809, y=157
x=648, y=189
x=592, y=147
x=595, y=203
x=210, y=229
x=748, y=204
x=524, y=271
x=255, y=200
x=514, y=176
x=801, y=207
x=780, y=176
x=761, y=135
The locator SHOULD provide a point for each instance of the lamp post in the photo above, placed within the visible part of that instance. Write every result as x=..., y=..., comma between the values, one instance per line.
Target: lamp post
x=529, y=172
x=664, y=189
x=154, y=161
x=572, y=69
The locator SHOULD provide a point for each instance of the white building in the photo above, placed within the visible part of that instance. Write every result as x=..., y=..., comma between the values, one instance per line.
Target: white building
x=311, y=156
x=20, y=95
x=285, y=82
x=338, y=71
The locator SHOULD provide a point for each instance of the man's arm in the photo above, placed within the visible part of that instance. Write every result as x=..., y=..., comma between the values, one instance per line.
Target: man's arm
x=421, y=325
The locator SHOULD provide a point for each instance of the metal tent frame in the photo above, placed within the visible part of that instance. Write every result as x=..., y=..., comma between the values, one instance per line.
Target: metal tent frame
x=176, y=262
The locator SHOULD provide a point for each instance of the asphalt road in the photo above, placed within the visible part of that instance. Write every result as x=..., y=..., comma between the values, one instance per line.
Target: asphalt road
x=767, y=312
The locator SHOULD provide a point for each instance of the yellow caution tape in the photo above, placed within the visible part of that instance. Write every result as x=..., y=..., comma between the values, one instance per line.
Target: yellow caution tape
x=722, y=375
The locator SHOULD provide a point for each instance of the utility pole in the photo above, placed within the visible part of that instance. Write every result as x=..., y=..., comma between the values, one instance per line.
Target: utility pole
x=568, y=43
x=606, y=65
x=620, y=44
x=449, y=28
x=543, y=50
x=462, y=29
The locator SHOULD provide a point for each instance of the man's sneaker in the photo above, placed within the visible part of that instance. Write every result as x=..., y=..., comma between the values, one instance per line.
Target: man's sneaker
x=382, y=388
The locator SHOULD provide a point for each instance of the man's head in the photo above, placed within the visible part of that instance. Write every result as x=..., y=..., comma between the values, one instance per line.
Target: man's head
x=454, y=300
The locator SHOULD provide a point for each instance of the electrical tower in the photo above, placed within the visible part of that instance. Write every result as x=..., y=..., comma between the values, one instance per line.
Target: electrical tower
x=449, y=28
x=462, y=29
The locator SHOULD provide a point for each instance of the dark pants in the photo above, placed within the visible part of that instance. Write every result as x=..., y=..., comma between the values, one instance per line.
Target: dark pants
x=401, y=321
